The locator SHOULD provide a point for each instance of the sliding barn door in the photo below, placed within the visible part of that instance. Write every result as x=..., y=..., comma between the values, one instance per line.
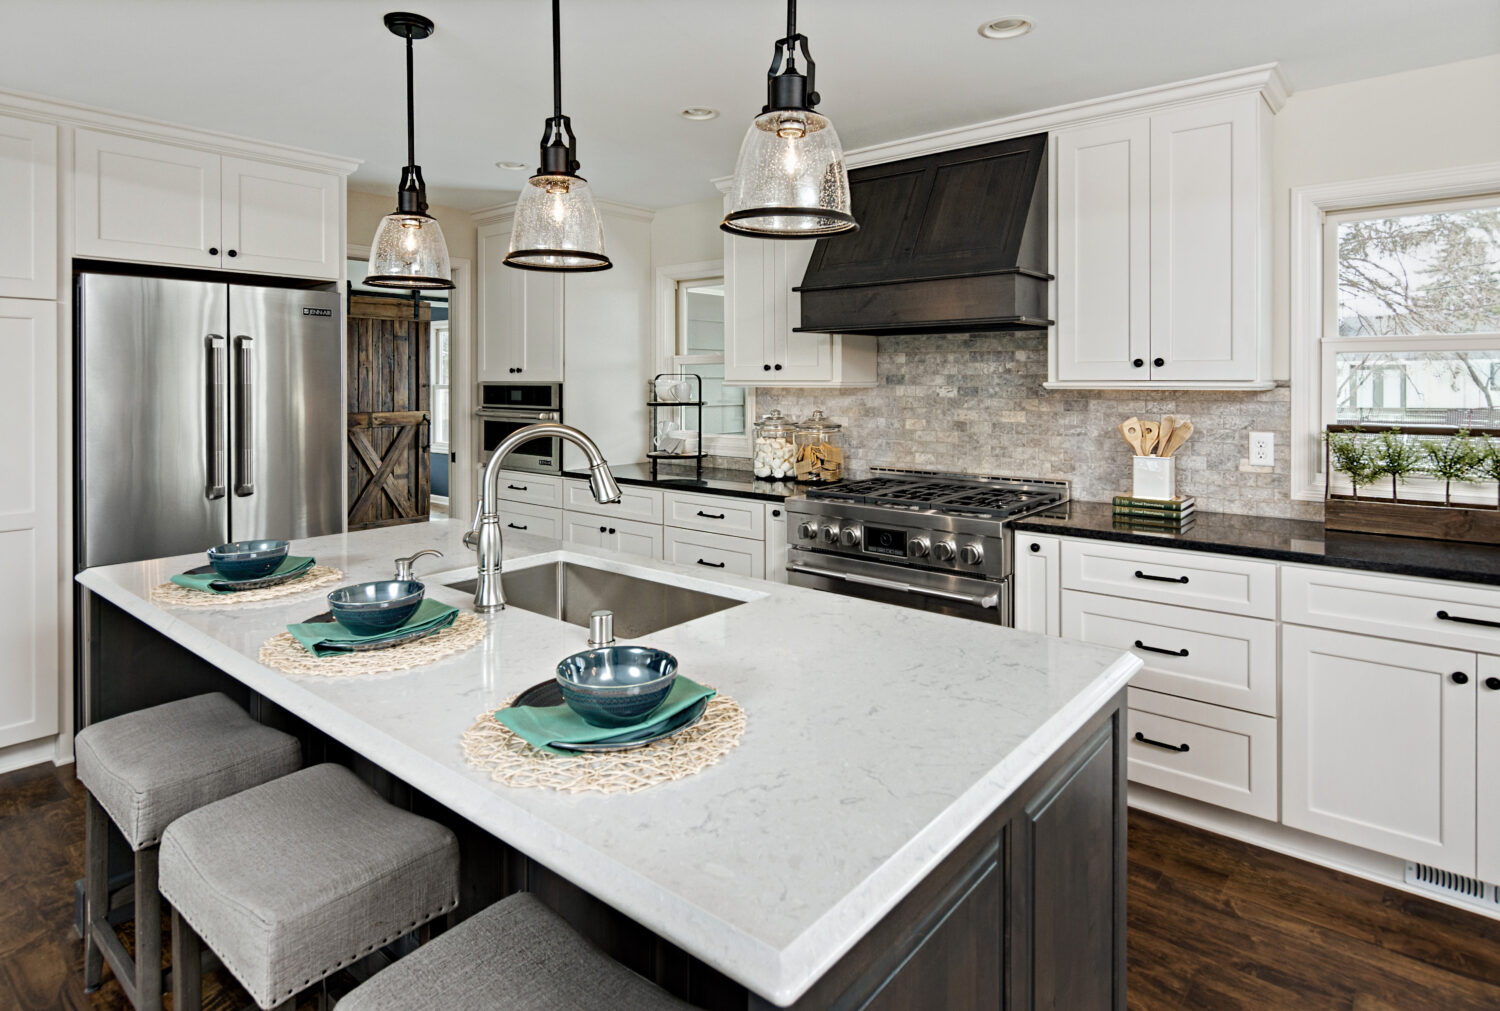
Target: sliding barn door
x=390, y=468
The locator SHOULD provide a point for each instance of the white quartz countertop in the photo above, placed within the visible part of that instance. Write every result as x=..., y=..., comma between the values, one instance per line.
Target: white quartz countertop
x=878, y=738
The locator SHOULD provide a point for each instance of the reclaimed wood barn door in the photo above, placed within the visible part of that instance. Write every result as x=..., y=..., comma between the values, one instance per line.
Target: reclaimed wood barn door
x=390, y=467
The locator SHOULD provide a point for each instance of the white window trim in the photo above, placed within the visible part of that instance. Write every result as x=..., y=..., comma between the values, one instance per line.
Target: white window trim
x=447, y=325
x=665, y=299
x=1310, y=207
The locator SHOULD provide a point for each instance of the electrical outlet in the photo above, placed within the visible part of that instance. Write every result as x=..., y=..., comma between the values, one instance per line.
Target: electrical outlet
x=1262, y=449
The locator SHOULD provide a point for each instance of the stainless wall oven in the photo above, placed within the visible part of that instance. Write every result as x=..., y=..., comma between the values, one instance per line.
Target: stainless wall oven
x=506, y=407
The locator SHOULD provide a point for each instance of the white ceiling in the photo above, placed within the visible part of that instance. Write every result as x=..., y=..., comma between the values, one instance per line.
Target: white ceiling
x=326, y=75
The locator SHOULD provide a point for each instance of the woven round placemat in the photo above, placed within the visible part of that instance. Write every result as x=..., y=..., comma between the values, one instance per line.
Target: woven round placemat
x=492, y=746
x=318, y=575
x=282, y=652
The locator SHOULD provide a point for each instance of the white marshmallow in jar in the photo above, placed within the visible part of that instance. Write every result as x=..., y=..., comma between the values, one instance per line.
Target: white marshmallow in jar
x=775, y=448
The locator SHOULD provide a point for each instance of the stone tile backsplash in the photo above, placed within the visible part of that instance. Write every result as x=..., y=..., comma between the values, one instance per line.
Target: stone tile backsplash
x=975, y=403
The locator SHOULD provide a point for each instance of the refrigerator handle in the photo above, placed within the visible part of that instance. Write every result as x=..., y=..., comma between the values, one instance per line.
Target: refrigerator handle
x=244, y=458
x=214, y=487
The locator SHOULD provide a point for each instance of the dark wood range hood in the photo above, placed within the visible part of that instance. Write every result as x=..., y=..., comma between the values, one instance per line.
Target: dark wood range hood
x=947, y=243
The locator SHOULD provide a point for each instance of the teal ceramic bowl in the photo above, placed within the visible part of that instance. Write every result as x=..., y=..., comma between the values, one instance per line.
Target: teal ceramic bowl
x=247, y=559
x=616, y=686
x=380, y=606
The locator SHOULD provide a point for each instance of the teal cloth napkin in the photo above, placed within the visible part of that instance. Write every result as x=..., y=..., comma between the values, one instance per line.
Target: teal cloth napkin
x=315, y=636
x=542, y=726
x=202, y=580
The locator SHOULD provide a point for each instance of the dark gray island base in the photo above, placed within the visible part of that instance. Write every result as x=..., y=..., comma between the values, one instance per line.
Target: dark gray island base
x=1027, y=912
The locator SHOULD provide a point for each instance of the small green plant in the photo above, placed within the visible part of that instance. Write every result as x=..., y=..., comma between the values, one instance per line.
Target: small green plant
x=1489, y=465
x=1455, y=458
x=1393, y=456
x=1351, y=457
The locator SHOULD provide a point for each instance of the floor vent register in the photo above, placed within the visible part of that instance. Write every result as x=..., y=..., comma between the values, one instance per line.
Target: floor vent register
x=1470, y=891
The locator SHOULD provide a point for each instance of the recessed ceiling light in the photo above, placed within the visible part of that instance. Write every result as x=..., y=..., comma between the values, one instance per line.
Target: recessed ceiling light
x=699, y=112
x=511, y=166
x=1005, y=28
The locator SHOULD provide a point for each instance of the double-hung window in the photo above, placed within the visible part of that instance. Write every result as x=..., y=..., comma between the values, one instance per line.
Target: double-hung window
x=698, y=347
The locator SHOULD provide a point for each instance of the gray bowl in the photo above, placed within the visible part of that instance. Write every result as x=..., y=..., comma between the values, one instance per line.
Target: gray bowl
x=616, y=686
x=247, y=559
x=368, y=608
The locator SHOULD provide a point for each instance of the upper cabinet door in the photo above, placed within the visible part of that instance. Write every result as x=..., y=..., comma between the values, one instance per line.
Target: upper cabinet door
x=1103, y=282
x=280, y=220
x=28, y=209
x=796, y=357
x=749, y=308
x=521, y=316
x=1206, y=220
x=143, y=201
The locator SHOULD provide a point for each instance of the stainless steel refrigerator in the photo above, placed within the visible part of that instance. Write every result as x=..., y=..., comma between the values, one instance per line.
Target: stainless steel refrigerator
x=206, y=412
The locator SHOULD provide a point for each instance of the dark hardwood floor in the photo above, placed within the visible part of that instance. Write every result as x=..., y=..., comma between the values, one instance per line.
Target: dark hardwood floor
x=1214, y=923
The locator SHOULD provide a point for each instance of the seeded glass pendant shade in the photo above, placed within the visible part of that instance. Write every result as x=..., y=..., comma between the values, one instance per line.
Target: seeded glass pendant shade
x=557, y=226
x=790, y=181
x=408, y=251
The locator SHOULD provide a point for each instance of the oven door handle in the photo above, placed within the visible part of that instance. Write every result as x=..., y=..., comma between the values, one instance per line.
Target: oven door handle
x=509, y=414
x=988, y=600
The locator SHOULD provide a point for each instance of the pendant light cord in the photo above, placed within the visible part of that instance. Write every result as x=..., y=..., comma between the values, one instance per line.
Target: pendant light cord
x=411, y=129
x=556, y=59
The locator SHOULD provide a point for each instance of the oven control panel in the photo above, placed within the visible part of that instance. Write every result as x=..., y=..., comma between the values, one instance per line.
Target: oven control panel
x=974, y=547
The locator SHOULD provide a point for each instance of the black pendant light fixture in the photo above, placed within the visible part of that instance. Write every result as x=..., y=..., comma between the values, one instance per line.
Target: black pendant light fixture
x=408, y=251
x=557, y=226
x=790, y=181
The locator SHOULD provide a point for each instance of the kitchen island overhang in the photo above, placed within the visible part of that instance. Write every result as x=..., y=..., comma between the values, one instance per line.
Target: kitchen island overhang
x=871, y=760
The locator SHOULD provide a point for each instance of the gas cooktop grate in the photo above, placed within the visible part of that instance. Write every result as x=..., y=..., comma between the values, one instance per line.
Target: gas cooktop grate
x=978, y=497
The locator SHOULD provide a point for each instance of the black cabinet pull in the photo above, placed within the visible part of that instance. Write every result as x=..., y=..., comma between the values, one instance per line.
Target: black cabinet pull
x=1158, y=649
x=213, y=250
x=604, y=530
x=517, y=526
x=516, y=487
x=775, y=512
x=1493, y=684
x=612, y=530
x=233, y=253
x=1159, y=744
x=1035, y=546
x=1459, y=677
x=1158, y=362
x=710, y=516
x=712, y=565
x=778, y=368
x=1139, y=363
x=1161, y=579
x=766, y=367
x=1445, y=616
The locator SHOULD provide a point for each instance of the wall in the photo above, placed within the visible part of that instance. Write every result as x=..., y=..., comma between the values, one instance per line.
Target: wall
x=688, y=233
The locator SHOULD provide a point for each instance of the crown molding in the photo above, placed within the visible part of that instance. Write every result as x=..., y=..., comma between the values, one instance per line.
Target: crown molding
x=1267, y=80
x=53, y=110
x=499, y=212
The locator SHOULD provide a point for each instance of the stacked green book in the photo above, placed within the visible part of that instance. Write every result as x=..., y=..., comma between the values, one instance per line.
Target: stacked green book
x=1154, y=514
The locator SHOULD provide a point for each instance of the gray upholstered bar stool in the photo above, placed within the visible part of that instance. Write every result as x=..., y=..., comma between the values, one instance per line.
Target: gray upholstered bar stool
x=142, y=770
x=293, y=880
x=517, y=955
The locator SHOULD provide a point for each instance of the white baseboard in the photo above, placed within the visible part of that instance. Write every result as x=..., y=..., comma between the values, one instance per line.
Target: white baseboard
x=1315, y=849
x=19, y=756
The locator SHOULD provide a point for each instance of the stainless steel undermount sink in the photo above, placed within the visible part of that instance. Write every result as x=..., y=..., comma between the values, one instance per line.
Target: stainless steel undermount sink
x=569, y=592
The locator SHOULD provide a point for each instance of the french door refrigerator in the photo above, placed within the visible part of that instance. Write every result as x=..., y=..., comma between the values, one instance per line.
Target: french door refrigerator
x=206, y=412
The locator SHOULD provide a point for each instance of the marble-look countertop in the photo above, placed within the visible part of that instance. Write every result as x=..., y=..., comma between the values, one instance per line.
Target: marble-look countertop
x=1282, y=540
x=878, y=738
x=676, y=476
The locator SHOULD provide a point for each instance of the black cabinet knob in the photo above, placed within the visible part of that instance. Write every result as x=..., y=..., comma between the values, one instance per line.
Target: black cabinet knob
x=213, y=250
x=1035, y=546
x=778, y=368
x=766, y=368
x=1139, y=363
x=604, y=530
x=611, y=529
x=1158, y=362
x=233, y=253
x=1493, y=684
x=777, y=512
x=1459, y=677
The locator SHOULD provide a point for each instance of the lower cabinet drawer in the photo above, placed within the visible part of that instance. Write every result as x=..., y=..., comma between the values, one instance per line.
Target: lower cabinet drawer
x=1209, y=753
x=720, y=514
x=742, y=556
x=537, y=521
x=533, y=489
x=643, y=505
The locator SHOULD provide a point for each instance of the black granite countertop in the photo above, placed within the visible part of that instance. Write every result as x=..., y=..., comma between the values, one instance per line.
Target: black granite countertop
x=1283, y=541
x=715, y=481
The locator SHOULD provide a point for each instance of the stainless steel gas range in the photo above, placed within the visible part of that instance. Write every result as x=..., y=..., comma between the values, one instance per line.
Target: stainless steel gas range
x=934, y=541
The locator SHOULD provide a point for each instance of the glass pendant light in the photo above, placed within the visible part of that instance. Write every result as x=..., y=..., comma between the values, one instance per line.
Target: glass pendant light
x=408, y=251
x=557, y=226
x=790, y=181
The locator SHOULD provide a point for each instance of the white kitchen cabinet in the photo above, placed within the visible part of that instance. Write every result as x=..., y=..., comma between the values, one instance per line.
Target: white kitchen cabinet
x=719, y=514
x=532, y=489
x=28, y=521
x=28, y=209
x=1163, y=249
x=636, y=503
x=740, y=556
x=627, y=536
x=762, y=312
x=521, y=315
x=1167, y=576
x=1036, y=584
x=1378, y=744
x=1219, y=756
x=147, y=201
x=776, y=545
x=1487, y=836
x=538, y=521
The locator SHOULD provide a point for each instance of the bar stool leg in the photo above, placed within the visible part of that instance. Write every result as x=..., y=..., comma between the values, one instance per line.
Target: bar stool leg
x=187, y=966
x=147, y=931
x=95, y=889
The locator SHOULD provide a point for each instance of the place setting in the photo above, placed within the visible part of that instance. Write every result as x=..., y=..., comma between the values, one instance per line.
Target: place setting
x=245, y=572
x=614, y=719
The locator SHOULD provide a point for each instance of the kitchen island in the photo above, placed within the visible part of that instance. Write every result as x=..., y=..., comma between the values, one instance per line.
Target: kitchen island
x=922, y=810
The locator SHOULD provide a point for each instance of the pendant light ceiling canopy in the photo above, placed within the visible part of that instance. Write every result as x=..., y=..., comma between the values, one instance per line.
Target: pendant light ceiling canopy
x=557, y=226
x=790, y=181
x=408, y=251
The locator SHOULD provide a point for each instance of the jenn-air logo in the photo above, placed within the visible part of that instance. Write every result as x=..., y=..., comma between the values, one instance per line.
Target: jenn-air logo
x=317, y=312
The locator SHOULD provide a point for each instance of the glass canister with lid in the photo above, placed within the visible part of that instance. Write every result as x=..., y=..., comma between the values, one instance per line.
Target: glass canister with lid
x=820, y=451
x=775, y=447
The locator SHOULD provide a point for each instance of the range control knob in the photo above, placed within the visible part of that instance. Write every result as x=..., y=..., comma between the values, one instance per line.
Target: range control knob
x=971, y=554
x=830, y=533
x=808, y=531
x=849, y=536
x=918, y=547
x=943, y=551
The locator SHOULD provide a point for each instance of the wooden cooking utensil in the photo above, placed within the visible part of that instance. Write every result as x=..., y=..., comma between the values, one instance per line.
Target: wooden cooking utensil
x=1179, y=436
x=1149, y=432
x=1131, y=430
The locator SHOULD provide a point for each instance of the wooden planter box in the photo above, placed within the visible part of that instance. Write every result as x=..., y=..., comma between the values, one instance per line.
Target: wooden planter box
x=1432, y=520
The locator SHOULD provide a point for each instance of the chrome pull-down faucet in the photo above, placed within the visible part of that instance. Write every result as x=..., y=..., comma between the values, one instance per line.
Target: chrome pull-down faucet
x=485, y=536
